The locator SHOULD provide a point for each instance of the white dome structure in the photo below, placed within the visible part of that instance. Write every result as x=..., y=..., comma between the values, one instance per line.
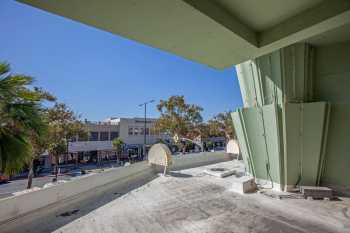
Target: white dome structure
x=160, y=155
x=232, y=147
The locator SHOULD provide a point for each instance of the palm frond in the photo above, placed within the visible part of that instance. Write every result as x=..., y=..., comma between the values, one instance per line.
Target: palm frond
x=21, y=118
x=4, y=68
x=15, y=152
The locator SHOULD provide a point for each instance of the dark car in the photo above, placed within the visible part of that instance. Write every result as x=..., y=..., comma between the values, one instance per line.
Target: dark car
x=3, y=178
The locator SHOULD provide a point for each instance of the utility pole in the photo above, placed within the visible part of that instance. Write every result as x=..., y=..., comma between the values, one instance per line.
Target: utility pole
x=145, y=125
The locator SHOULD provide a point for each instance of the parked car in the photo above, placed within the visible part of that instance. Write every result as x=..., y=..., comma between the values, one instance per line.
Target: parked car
x=3, y=178
x=75, y=172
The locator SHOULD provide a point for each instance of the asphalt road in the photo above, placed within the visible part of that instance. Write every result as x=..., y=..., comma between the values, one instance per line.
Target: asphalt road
x=7, y=189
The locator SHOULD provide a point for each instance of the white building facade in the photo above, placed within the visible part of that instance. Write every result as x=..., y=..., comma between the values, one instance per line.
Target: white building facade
x=130, y=130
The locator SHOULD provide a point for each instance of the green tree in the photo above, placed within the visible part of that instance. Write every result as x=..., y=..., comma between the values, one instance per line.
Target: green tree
x=221, y=125
x=39, y=143
x=20, y=106
x=178, y=117
x=203, y=130
x=64, y=125
x=117, y=145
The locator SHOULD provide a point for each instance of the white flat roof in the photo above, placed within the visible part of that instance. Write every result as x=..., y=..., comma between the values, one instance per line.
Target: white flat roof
x=187, y=201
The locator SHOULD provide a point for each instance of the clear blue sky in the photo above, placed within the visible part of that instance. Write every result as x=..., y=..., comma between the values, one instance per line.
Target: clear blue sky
x=99, y=74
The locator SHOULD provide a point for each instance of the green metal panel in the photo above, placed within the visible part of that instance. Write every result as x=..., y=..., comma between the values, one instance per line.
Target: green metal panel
x=336, y=171
x=282, y=76
x=270, y=70
x=291, y=143
x=242, y=141
x=251, y=83
x=271, y=115
x=255, y=135
x=258, y=135
x=246, y=83
x=272, y=84
x=332, y=85
x=314, y=118
x=304, y=124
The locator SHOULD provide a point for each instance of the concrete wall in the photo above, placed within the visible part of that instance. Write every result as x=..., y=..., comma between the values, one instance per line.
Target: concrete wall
x=199, y=159
x=17, y=206
x=332, y=84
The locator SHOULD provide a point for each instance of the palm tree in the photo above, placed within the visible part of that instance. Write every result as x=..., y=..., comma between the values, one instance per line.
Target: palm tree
x=19, y=118
x=117, y=144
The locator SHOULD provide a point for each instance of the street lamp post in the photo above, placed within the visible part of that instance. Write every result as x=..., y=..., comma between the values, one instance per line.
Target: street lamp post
x=145, y=125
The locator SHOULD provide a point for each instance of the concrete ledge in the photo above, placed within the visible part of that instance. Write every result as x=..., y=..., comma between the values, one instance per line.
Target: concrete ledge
x=220, y=172
x=267, y=184
x=244, y=184
x=199, y=159
x=339, y=190
x=16, y=206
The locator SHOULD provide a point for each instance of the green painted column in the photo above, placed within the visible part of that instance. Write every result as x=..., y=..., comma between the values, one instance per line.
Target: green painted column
x=280, y=129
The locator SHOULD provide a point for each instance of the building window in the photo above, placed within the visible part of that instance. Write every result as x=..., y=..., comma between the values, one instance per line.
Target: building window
x=141, y=131
x=104, y=136
x=114, y=134
x=131, y=131
x=147, y=131
x=93, y=136
x=82, y=137
x=136, y=131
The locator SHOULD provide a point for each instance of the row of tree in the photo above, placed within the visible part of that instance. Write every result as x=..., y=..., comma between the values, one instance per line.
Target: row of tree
x=185, y=120
x=27, y=127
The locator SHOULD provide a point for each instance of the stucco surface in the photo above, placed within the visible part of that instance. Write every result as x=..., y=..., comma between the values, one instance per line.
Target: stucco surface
x=190, y=201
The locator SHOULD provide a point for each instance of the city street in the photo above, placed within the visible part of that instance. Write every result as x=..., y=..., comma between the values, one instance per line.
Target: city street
x=6, y=189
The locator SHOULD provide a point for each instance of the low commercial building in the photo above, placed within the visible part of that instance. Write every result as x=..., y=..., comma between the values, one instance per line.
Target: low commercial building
x=98, y=145
x=130, y=130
